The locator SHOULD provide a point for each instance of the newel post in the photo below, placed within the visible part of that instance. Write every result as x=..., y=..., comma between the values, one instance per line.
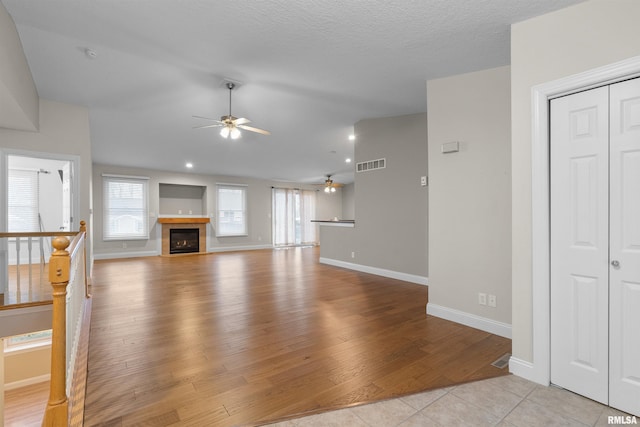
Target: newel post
x=56, y=413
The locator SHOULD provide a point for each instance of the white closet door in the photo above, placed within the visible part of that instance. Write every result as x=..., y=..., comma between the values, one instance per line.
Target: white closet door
x=624, y=314
x=580, y=243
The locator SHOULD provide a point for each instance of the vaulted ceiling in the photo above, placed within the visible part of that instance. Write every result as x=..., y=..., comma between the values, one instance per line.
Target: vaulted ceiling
x=309, y=71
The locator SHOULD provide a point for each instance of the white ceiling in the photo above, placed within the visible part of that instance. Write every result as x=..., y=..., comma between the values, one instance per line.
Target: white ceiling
x=310, y=70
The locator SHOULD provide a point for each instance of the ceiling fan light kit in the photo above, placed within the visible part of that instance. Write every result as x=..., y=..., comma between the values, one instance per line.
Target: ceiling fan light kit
x=231, y=125
x=328, y=185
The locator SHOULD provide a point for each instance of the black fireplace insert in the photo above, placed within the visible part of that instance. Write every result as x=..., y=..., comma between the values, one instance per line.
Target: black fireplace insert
x=184, y=240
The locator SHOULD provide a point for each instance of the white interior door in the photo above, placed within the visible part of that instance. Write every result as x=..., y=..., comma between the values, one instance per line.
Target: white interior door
x=624, y=314
x=595, y=244
x=580, y=243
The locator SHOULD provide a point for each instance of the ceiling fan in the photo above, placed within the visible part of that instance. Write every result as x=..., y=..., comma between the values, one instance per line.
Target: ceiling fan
x=330, y=186
x=231, y=125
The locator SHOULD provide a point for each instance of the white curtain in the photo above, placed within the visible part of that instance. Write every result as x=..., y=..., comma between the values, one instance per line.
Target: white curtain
x=307, y=213
x=293, y=211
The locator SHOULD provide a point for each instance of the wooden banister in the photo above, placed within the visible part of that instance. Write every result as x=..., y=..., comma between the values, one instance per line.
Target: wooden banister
x=57, y=411
x=63, y=267
x=70, y=320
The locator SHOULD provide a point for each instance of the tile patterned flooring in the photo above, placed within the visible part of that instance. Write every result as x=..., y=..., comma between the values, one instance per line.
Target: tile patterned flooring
x=507, y=401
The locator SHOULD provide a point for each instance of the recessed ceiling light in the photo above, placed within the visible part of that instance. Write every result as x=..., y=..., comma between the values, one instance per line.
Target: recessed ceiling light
x=348, y=160
x=189, y=165
x=352, y=137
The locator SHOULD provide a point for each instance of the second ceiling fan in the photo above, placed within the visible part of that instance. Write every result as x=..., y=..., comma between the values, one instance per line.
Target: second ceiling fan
x=231, y=125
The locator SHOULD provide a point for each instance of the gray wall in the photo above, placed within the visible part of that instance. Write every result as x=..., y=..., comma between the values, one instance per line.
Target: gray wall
x=18, y=95
x=470, y=192
x=390, y=205
x=543, y=49
x=348, y=201
x=329, y=205
x=258, y=207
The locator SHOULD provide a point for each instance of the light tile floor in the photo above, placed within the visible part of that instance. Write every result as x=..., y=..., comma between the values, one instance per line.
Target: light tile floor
x=508, y=401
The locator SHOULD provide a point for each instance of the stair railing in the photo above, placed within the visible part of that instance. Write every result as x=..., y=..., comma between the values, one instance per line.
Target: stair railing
x=70, y=292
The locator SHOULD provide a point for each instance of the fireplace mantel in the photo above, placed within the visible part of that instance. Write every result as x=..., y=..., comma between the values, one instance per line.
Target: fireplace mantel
x=183, y=220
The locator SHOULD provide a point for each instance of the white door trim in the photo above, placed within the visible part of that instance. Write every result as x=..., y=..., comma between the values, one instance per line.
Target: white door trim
x=540, y=95
x=75, y=184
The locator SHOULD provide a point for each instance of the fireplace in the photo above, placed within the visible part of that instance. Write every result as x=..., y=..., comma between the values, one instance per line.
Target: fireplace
x=184, y=240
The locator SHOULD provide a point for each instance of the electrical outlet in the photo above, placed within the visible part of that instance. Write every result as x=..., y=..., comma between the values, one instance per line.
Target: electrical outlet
x=492, y=300
x=482, y=298
x=353, y=254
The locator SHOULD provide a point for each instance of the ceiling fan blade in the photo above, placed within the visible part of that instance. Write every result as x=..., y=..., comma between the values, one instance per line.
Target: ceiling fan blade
x=208, y=126
x=241, y=121
x=252, y=129
x=205, y=118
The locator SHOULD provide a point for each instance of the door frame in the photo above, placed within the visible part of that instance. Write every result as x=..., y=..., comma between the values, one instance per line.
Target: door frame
x=540, y=193
x=75, y=185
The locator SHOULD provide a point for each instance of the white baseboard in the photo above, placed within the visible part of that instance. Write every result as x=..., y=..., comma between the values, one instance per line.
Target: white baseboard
x=28, y=381
x=527, y=370
x=413, y=278
x=472, y=320
x=116, y=255
x=239, y=248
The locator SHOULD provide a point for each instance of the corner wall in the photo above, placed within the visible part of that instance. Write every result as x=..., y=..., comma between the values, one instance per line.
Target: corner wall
x=544, y=49
x=470, y=199
x=390, y=206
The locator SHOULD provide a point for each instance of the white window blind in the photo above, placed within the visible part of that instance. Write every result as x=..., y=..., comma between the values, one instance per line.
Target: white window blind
x=23, y=201
x=232, y=210
x=125, y=208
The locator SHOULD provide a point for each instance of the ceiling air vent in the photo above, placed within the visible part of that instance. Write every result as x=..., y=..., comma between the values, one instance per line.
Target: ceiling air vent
x=371, y=165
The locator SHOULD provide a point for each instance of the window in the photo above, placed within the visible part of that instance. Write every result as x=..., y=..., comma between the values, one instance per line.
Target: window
x=293, y=211
x=125, y=207
x=23, y=201
x=27, y=341
x=232, y=210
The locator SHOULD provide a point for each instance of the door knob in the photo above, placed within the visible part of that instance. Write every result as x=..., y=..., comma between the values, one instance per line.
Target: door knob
x=615, y=263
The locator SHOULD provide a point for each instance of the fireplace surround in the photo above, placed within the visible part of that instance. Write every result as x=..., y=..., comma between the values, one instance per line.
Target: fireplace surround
x=171, y=225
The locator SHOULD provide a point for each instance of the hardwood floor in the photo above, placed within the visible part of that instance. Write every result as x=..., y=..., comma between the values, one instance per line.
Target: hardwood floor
x=24, y=406
x=27, y=285
x=246, y=338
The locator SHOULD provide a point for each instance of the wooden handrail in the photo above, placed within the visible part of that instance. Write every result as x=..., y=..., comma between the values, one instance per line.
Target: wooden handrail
x=39, y=233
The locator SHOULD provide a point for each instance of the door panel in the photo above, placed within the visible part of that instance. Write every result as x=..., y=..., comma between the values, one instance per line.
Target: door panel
x=624, y=284
x=580, y=242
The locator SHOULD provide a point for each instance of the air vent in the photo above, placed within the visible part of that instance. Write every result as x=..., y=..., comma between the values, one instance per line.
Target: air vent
x=371, y=165
x=503, y=362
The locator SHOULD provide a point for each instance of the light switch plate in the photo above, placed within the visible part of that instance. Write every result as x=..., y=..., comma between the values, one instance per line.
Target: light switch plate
x=423, y=181
x=450, y=147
